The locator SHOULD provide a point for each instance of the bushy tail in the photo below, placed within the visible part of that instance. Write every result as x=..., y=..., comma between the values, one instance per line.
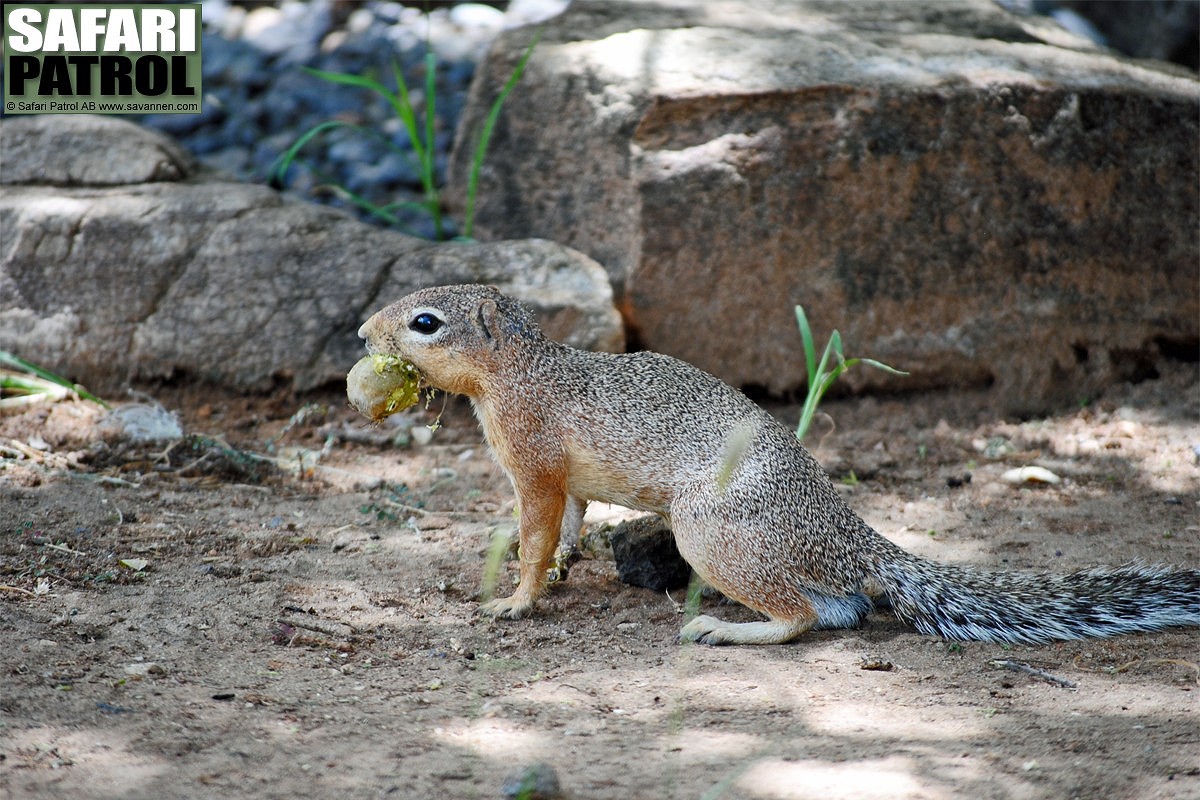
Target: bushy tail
x=965, y=604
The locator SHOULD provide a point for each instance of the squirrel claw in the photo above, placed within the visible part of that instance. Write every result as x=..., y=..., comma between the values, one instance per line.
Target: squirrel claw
x=703, y=630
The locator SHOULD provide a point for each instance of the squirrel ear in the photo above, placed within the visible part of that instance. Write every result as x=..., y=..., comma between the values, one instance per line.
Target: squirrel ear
x=487, y=320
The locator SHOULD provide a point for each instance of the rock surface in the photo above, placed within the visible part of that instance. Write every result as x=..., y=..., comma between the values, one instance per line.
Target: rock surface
x=184, y=272
x=979, y=198
x=45, y=150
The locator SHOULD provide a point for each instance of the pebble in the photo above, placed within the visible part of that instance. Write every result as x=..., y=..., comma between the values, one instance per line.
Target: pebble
x=143, y=669
x=534, y=782
x=1030, y=475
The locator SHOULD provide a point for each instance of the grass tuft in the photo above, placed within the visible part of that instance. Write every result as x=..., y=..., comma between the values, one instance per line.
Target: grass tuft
x=420, y=130
x=821, y=376
x=23, y=383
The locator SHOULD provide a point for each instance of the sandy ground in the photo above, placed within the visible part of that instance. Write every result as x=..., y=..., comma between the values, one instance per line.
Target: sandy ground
x=186, y=621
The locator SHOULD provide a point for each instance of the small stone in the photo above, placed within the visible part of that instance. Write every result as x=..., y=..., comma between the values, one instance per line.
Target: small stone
x=645, y=554
x=144, y=669
x=1030, y=475
x=537, y=781
x=1127, y=429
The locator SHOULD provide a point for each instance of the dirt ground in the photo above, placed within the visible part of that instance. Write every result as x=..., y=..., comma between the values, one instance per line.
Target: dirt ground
x=185, y=620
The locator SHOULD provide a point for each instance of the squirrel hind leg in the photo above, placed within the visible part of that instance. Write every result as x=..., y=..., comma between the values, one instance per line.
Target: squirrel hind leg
x=827, y=612
x=710, y=630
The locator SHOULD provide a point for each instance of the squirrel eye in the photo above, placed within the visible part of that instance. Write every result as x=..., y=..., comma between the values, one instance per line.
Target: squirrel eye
x=425, y=323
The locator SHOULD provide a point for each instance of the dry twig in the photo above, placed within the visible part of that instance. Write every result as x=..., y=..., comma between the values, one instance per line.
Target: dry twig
x=1017, y=666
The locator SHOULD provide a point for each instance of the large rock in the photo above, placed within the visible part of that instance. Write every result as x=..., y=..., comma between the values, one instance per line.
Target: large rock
x=973, y=196
x=179, y=272
x=54, y=150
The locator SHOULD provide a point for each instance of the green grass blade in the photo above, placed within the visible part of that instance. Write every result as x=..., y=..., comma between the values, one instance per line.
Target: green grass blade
x=399, y=102
x=494, y=563
x=485, y=136
x=870, y=362
x=346, y=79
x=16, y=362
x=819, y=379
x=695, y=594
x=806, y=415
x=366, y=205
x=830, y=379
x=284, y=162
x=423, y=150
x=408, y=117
x=430, y=124
x=332, y=186
x=833, y=345
x=406, y=205
x=835, y=342
x=29, y=384
x=810, y=350
x=402, y=106
x=737, y=442
x=430, y=106
x=816, y=379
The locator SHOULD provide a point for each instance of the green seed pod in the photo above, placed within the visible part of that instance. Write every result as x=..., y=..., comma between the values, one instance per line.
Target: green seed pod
x=380, y=385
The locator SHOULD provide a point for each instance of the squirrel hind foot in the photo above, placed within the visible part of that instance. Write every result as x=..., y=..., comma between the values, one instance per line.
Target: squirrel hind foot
x=710, y=630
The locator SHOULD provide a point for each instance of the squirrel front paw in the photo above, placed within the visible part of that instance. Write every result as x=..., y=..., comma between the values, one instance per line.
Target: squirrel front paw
x=513, y=607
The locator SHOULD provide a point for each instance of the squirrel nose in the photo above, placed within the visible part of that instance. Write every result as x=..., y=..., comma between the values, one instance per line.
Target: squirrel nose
x=364, y=331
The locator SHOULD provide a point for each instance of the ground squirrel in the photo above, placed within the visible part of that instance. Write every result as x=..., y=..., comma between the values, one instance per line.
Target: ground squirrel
x=751, y=510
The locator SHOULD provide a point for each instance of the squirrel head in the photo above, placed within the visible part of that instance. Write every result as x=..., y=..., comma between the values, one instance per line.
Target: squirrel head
x=456, y=336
